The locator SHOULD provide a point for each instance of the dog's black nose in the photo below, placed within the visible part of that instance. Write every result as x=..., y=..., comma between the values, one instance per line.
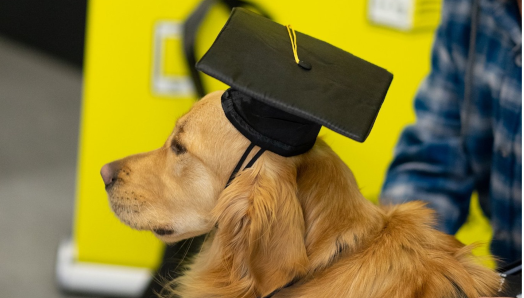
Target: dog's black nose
x=109, y=174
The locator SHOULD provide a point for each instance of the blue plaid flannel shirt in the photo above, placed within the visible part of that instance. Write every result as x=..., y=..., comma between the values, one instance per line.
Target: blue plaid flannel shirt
x=457, y=146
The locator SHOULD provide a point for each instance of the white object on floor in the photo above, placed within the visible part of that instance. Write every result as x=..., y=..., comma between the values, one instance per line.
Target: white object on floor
x=100, y=279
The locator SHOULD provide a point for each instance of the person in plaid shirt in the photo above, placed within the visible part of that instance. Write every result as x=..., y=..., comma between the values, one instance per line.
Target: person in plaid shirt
x=468, y=133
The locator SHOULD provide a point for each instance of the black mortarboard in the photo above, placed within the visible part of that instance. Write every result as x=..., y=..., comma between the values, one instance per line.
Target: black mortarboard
x=279, y=104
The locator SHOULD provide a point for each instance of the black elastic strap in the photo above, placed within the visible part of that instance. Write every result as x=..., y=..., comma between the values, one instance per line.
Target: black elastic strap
x=252, y=161
x=249, y=165
x=190, y=30
x=242, y=159
x=239, y=164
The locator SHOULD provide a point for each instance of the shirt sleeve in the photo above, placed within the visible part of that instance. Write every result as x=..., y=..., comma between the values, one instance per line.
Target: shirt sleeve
x=429, y=163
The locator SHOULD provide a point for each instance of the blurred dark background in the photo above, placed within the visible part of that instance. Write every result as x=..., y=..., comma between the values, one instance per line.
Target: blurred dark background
x=56, y=27
x=41, y=53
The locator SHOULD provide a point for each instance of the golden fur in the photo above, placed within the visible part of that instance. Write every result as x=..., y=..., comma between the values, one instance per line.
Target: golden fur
x=300, y=218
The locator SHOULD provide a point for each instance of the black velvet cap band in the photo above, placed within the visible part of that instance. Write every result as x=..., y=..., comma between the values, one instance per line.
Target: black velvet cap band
x=280, y=105
x=269, y=127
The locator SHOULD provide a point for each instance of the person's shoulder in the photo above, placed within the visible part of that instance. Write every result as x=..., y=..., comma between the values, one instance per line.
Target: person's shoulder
x=457, y=12
x=455, y=24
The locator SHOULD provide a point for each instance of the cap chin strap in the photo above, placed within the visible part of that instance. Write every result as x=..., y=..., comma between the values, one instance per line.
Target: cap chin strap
x=243, y=159
x=235, y=171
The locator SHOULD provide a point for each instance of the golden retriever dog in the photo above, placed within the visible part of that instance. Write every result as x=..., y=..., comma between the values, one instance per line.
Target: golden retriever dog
x=286, y=227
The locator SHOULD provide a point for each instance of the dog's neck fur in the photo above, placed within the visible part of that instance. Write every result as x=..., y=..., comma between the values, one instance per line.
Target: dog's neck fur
x=361, y=223
x=234, y=263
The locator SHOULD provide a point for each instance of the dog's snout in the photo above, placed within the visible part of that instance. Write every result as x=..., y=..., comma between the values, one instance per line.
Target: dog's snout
x=109, y=174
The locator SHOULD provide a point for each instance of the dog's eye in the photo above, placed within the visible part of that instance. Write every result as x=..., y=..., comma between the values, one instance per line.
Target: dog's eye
x=178, y=148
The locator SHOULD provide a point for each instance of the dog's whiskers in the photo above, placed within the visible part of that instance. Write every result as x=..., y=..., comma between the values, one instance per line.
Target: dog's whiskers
x=185, y=253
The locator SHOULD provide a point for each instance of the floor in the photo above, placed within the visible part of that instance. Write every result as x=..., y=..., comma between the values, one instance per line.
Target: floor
x=40, y=102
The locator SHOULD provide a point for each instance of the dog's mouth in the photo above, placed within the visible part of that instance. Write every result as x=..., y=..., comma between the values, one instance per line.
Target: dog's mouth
x=163, y=232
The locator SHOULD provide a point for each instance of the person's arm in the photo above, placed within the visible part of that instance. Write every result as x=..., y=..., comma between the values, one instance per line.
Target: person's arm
x=429, y=163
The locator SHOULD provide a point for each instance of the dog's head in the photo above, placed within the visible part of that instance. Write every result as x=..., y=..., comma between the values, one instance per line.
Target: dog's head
x=172, y=190
x=178, y=191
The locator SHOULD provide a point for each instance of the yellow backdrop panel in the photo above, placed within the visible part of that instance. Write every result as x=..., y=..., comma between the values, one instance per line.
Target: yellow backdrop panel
x=122, y=115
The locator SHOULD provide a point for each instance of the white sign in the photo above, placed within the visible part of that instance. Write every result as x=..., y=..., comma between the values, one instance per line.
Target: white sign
x=164, y=83
x=405, y=15
x=393, y=13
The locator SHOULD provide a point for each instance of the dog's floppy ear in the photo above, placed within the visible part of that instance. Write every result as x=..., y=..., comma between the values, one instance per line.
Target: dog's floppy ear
x=261, y=225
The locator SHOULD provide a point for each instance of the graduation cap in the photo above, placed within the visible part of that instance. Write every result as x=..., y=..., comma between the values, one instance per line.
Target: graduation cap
x=278, y=101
